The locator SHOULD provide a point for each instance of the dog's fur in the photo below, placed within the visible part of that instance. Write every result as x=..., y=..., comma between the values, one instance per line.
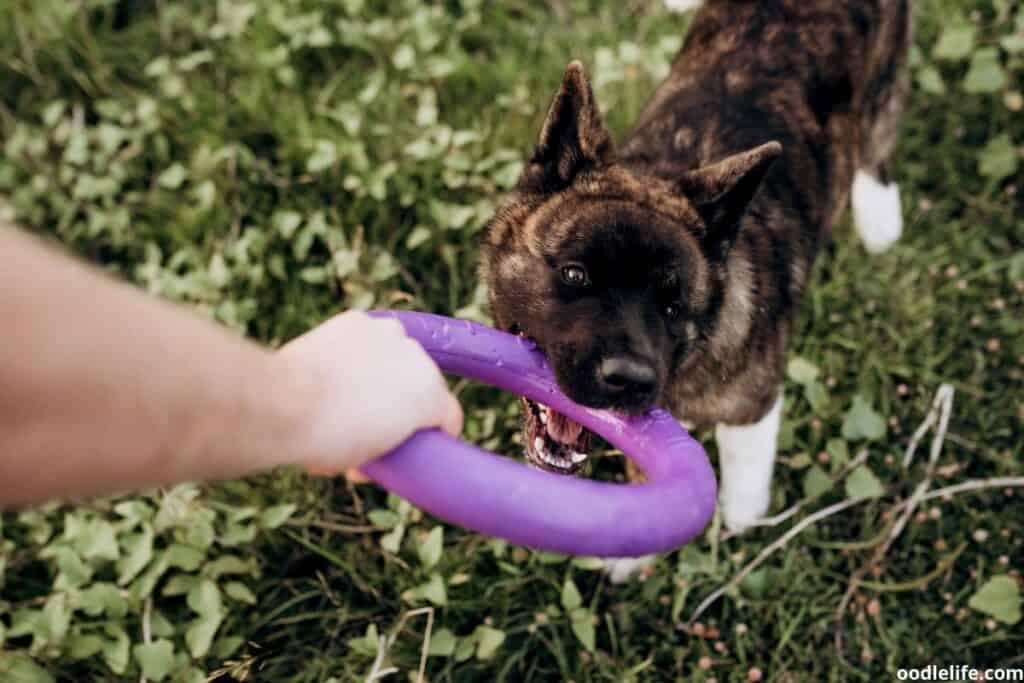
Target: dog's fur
x=696, y=237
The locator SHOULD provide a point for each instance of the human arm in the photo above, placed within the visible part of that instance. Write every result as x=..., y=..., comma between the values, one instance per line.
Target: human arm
x=104, y=389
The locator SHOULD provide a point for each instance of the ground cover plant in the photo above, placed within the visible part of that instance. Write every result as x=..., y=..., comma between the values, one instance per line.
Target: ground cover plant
x=269, y=163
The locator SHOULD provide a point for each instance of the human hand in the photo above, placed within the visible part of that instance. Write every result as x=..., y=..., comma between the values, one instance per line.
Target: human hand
x=368, y=388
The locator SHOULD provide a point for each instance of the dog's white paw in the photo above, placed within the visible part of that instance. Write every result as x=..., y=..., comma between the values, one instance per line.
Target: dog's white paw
x=746, y=454
x=622, y=569
x=877, y=212
x=742, y=509
x=683, y=5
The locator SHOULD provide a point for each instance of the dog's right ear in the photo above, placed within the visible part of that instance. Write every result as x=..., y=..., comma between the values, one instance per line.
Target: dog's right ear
x=572, y=140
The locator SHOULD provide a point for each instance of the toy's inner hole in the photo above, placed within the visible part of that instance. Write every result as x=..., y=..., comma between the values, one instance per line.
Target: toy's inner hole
x=552, y=441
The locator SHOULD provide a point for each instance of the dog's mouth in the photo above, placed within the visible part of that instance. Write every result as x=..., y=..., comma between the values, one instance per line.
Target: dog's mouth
x=553, y=442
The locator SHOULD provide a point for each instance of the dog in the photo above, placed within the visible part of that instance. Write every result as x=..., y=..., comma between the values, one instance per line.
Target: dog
x=669, y=270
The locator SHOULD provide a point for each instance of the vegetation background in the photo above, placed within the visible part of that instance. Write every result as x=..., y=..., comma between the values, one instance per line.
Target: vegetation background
x=271, y=162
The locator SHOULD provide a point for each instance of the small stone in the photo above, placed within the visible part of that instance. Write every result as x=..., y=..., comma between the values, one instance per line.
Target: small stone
x=991, y=624
x=980, y=535
x=934, y=513
x=941, y=545
x=754, y=674
x=741, y=630
x=698, y=630
x=1004, y=560
x=993, y=345
x=704, y=663
x=952, y=271
x=720, y=647
x=874, y=607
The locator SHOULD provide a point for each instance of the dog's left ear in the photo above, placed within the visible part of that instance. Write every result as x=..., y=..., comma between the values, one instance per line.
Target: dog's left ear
x=722, y=191
x=573, y=138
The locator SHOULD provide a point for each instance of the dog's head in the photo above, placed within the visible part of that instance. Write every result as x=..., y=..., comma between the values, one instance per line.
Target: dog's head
x=610, y=270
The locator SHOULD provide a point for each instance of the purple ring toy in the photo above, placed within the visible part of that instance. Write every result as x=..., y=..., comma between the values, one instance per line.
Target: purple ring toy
x=499, y=497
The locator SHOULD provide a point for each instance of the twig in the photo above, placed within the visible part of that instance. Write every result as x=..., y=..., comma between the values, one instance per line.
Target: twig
x=799, y=505
x=971, y=485
x=942, y=406
x=769, y=550
x=386, y=642
x=147, y=628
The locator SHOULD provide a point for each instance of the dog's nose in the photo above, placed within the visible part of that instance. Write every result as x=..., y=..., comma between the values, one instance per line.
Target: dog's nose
x=627, y=376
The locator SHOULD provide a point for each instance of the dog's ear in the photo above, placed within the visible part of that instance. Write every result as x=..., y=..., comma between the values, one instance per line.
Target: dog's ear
x=573, y=138
x=722, y=191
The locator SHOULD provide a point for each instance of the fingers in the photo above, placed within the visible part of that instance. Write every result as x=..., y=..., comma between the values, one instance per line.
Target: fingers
x=356, y=477
x=451, y=415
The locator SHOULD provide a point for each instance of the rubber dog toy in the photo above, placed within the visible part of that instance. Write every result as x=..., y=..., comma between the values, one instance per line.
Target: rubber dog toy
x=500, y=497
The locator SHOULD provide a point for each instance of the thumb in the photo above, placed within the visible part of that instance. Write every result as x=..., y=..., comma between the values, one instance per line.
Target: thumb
x=450, y=418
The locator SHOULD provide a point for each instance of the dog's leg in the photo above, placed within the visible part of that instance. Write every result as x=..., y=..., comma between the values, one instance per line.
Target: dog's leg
x=683, y=5
x=877, y=211
x=746, y=457
x=622, y=569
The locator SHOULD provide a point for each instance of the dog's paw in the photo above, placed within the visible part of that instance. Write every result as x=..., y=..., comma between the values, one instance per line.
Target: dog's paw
x=877, y=212
x=740, y=511
x=622, y=569
x=683, y=5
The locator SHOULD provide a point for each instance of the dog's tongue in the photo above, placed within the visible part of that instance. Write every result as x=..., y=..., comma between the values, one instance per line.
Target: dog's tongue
x=562, y=429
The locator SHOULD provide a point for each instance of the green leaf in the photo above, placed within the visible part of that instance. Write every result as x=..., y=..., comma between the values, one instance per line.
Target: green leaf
x=102, y=598
x=434, y=590
x=755, y=583
x=999, y=598
x=229, y=564
x=138, y=551
x=383, y=519
x=204, y=599
x=225, y=647
x=18, y=668
x=81, y=646
x=998, y=159
x=286, y=222
x=442, y=643
x=1013, y=43
x=550, y=558
x=236, y=590
x=431, y=547
x=862, y=483
x=156, y=659
x=274, y=517
x=802, y=371
x=571, y=598
x=582, y=624
x=200, y=633
x=488, y=641
x=116, y=651
x=816, y=482
x=591, y=564
x=931, y=81
x=368, y=643
x=839, y=452
x=816, y=395
x=56, y=618
x=986, y=74
x=392, y=540
x=956, y=42
x=404, y=57
x=324, y=156
x=173, y=177
x=98, y=540
x=862, y=422
x=465, y=649
x=184, y=557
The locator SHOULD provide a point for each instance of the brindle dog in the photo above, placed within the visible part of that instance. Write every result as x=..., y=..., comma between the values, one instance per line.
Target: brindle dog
x=670, y=271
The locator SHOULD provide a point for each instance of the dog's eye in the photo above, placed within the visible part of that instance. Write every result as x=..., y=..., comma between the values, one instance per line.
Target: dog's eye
x=574, y=275
x=671, y=311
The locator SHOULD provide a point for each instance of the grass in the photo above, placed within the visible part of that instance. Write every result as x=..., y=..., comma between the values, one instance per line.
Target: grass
x=271, y=163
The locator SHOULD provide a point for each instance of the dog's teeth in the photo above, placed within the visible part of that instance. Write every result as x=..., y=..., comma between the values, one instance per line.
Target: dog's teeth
x=543, y=416
x=538, y=443
x=577, y=458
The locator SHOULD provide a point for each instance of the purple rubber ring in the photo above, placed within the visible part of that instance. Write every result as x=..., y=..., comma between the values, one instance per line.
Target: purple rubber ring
x=500, y=497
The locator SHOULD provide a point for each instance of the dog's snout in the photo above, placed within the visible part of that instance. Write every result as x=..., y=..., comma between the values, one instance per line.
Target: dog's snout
x=632, y=377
